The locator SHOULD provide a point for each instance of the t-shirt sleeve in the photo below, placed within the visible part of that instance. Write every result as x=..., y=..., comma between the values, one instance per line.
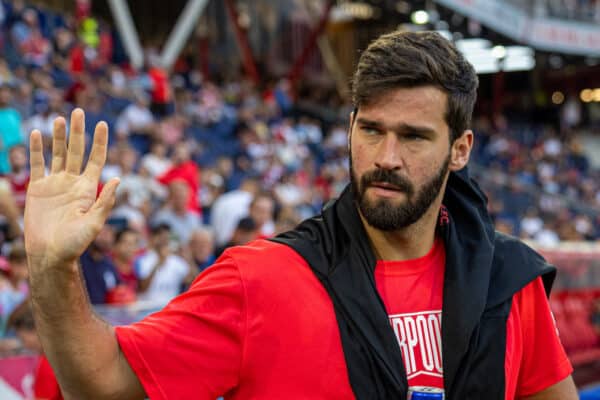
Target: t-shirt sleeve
x=192, y=349
x=544, y=361
x=45, y=385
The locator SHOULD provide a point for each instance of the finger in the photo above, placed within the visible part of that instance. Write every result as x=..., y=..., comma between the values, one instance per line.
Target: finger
x=104, y=204
x=76, y=142
x=97, y=157
x=59, y=145
x=36, y=156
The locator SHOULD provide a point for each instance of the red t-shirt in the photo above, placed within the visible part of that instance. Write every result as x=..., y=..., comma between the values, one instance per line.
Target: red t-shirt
x=19, y=183
x=45, y=385
x=161, y=92
x=412, y=292
x=258, y=324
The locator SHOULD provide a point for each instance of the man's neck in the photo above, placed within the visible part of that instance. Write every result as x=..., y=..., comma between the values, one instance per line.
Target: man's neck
x=408, y=243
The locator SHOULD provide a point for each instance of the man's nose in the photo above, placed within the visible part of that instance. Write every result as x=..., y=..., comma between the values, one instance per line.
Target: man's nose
x=390, y=153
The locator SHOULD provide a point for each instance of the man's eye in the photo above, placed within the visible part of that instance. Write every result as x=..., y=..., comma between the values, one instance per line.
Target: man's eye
x=415, y=137
x=370, y=131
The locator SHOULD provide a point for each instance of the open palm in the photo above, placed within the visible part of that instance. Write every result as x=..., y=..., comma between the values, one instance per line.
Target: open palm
x=62, y=214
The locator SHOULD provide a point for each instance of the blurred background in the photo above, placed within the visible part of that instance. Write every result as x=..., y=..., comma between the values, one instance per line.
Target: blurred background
x=228, y=122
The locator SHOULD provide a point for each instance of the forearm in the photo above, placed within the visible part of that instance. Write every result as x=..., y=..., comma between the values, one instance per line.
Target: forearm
x=80, y=346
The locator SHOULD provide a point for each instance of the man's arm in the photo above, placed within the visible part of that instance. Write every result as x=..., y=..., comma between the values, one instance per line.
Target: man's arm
x=563, y=390
x=62, y=217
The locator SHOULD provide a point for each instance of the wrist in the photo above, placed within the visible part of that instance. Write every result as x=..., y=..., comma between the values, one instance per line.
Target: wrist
x=44, y=264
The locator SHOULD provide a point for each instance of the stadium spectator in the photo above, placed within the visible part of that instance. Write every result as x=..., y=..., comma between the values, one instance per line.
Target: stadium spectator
x=10, y=126
x=229, y=208
x=136, y=123
x=23, y=100
x=176, y=214
x=10, y=214
x=14, y=287
x=125, y=250
x=201, y=249
x=47, y=105
x=261, y=210
x=33, y=46
x=184, y=169
x=287, y=219
x=161, y=272
x=141, y=190
x=156, y=163
x=19, y=174
x=245, y=231
x=45, y=386
x=161, y=92
x=531, y=223
x=98, y=269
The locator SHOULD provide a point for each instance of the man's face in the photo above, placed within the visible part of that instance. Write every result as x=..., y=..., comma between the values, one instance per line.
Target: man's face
x=19, y=270
x=201, y=245
x=179, y=195
x=181, y=154
x=18, y=158
x=261, y=210
x=105, y=239
x=399, y=156
x=161, y=238
x=5, y=96
x=29, y=339
x=127, y=245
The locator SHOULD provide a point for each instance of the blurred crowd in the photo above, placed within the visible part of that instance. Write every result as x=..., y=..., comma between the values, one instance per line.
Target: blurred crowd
x=540, y=184
x=579, y=10
x=583, y=10
x=205, y=165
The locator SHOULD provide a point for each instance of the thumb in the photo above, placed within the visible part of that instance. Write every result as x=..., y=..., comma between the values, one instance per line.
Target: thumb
x=105, y=202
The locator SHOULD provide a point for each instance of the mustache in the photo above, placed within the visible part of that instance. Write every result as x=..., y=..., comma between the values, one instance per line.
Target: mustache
x=386, y=176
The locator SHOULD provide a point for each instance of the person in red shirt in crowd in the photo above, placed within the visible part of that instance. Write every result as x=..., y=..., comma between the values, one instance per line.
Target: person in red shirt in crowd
x=161, y=90
x=185, y=169
x=19, y=173
x=45, y=385
x=400, y=282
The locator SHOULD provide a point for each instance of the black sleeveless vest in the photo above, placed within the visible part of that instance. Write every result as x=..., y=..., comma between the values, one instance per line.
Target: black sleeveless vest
x=484, y=269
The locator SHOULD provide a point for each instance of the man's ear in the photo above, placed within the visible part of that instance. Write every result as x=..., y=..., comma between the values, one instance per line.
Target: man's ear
x=461, y=151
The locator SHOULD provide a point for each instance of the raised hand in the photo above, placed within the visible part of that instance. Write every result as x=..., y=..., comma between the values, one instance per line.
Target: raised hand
x=62, y=214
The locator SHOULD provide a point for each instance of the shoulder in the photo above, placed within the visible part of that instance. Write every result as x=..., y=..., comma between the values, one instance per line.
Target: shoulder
x=261, y=253
x=263, y=261
x=515, y=265
x=510, y=247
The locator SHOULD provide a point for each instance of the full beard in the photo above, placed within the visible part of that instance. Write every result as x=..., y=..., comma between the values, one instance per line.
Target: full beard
x=384, y=214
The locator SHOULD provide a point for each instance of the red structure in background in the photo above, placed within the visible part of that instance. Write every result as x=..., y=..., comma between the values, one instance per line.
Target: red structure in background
x=574, y=302
x=242, y=41
x=309, y=47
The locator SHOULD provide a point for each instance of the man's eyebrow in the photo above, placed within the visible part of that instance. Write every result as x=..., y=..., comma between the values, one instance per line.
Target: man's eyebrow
x=368, y=122
x=402, y=127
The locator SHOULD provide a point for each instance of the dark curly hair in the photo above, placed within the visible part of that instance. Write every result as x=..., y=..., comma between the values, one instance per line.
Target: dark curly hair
x=411, y=59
